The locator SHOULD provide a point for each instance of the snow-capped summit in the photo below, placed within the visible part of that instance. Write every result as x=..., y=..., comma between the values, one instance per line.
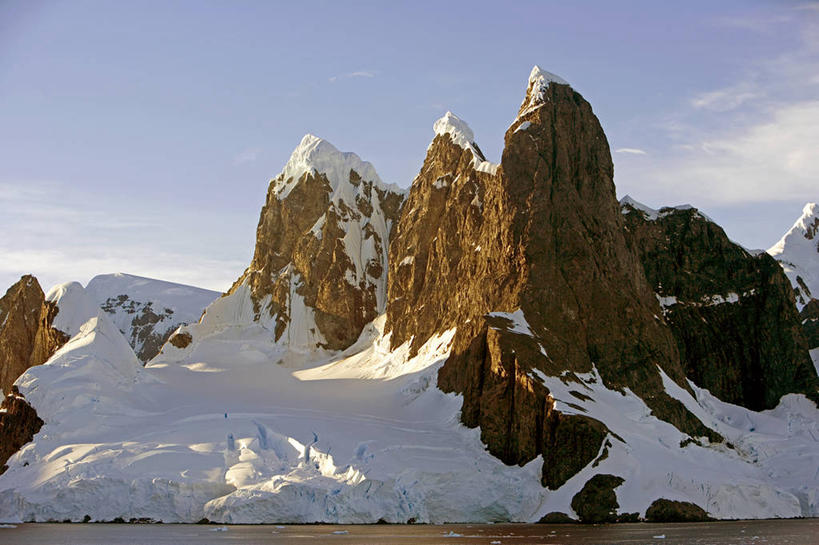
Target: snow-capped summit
x=457, y=129
x=314, y=154
x=798, y=253
x=461, y=135
x=539, y=81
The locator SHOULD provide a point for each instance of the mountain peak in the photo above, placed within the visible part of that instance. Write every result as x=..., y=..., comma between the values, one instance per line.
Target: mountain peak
x=809, y=221
x=542, y=77
x=319, y=155
x=457, y=128
x=539, y=81
x=798, y=252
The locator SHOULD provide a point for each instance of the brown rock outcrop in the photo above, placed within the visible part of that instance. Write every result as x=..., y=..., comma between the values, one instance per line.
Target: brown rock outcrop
x=18, y=425
x=732, y=313
x=26, y=336
x=321, y=244
x=597, y=502
x=541, y=233
x=663, y=510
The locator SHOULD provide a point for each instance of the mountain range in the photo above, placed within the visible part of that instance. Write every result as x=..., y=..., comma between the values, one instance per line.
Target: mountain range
x=499, y=342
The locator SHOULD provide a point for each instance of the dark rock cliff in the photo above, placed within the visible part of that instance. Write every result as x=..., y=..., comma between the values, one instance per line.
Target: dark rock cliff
x=18, y=425
x=810, y=323
x=732, y=313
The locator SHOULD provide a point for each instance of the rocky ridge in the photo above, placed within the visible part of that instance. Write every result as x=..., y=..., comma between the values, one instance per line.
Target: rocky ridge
x=517, y=285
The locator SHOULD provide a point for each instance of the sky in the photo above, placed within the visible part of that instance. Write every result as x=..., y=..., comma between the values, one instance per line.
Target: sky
x=140, y=136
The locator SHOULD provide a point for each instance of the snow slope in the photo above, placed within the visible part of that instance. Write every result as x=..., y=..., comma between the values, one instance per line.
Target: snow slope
x=75, y=305
x=237, y=438
x=798, y=253
x=146, y=310
x=222, y=431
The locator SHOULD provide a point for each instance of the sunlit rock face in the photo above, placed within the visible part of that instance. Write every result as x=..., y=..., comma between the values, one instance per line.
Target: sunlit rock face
x=27, y=337
x=528, y=259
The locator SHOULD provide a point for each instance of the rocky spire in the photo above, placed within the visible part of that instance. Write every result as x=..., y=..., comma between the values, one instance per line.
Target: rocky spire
x=533, y=245
x=319, y=270
x=27, y=337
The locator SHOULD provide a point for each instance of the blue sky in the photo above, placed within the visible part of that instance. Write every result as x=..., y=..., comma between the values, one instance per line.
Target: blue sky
x=140, y=136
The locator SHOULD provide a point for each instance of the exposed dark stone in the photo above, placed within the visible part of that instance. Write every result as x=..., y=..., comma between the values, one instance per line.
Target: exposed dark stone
x=181, y=339
x=810, y=323
x=662, y=510
x=596, y=502
x=734, y=320
x=18, y=425
x=556, y=517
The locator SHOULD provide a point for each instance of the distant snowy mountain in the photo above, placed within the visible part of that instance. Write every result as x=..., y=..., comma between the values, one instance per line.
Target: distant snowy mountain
x=504, y=342
x=148, y=311
x=798, y=253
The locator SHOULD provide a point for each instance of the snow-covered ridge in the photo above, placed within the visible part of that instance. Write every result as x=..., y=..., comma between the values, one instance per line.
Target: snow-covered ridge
x=461, y=134
x=798, y=253
x=651, y=214
x=319, y=155
x=146, y=310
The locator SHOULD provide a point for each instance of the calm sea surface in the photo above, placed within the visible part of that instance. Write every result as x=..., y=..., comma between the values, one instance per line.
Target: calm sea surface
x=776, y=532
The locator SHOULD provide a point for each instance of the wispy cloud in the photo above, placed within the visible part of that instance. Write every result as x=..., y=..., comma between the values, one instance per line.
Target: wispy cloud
x=754, y=140
x=246, y=156
x=723, y=100
x=770, y=160
x=631, y=151
x=348, y=75
x=70, y=235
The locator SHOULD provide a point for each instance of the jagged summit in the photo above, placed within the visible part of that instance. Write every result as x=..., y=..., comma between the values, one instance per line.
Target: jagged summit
x=461, y=135
x=539, y=81
x=798, y=253
x=627, y=203
x=314, y=154
x=807, y=226
x=457, y=129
